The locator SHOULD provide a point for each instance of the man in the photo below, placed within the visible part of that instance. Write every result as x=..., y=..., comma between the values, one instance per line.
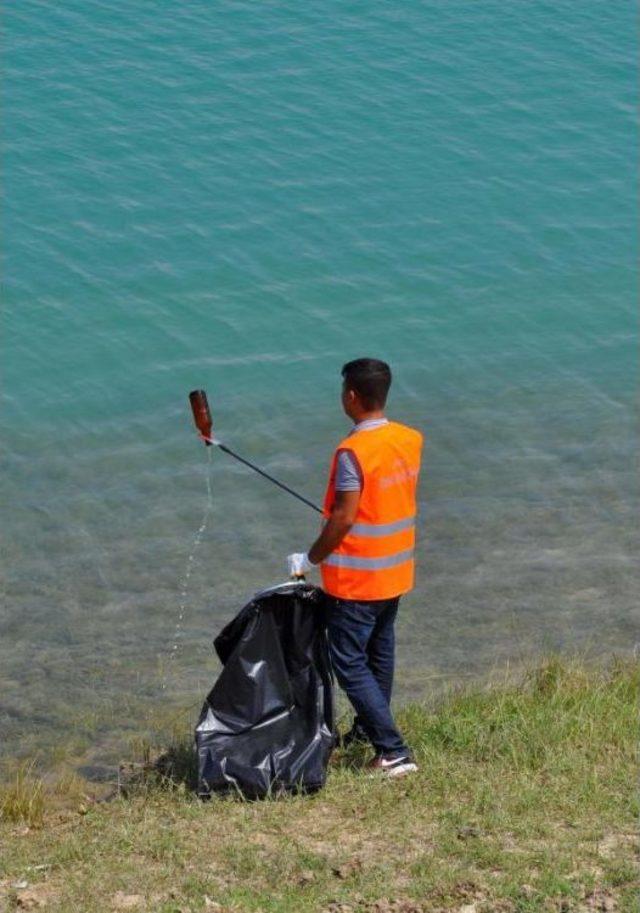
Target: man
x=365, y=551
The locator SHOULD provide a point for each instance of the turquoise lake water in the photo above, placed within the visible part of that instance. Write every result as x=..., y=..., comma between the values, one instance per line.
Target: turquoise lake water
x=242, y=196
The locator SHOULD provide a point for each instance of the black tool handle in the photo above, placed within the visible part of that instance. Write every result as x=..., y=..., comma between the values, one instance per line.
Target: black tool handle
x=267, y=476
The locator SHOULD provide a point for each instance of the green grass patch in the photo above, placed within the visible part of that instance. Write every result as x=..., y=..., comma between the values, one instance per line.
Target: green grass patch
x=525, y=801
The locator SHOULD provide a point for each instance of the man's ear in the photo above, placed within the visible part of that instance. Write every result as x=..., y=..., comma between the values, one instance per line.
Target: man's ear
x=349, y=402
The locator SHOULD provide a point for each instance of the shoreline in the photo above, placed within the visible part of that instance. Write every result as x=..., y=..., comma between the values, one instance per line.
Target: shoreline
x=93, y=739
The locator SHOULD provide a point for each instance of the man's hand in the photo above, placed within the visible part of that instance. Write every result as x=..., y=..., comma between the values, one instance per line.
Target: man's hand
x=343, y=515
x=298, y=564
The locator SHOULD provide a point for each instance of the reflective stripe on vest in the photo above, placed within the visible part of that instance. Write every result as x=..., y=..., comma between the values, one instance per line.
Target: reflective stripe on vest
x=369, y=564
x=375, y=530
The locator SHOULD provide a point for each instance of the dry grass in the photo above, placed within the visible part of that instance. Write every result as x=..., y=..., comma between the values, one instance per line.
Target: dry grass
x=23, y=798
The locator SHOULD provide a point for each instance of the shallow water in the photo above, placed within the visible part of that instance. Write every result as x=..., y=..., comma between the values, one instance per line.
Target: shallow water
x=241, y=198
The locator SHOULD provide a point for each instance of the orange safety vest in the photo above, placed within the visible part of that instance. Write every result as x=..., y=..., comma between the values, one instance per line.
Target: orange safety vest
x=375, y=558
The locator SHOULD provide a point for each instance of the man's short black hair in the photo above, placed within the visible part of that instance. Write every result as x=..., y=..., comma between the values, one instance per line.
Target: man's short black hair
x=370, y=378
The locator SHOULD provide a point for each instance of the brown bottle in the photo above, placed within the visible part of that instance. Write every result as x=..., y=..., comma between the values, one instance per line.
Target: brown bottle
x=201, y=414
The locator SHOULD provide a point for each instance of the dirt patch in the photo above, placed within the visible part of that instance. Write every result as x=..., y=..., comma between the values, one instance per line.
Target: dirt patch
x=23, y=896
x=612, y=844
x=123, y=901
x=601, y=900
x=406, y=905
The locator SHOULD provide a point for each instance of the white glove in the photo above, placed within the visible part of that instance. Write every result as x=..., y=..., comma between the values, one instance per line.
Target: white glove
x=298, y=564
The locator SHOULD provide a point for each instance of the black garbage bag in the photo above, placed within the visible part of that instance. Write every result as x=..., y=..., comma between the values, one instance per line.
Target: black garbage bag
x=267, y=725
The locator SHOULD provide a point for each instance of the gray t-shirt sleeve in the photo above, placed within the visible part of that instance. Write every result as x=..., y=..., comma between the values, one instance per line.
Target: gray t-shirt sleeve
x=348, y=475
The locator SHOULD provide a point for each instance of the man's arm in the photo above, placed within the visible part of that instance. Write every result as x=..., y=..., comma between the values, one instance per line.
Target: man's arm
x=342, y=518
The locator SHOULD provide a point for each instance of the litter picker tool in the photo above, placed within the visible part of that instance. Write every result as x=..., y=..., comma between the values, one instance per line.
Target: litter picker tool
x=204, y=424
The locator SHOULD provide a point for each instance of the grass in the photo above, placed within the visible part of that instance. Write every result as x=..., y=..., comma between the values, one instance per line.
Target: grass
x=525, y=801
x=23, y=799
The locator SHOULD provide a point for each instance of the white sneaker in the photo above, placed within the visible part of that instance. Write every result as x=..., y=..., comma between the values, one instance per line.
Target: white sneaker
x=392, y=767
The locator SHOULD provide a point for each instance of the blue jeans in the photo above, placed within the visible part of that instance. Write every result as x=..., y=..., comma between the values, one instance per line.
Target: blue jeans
x=362, y=647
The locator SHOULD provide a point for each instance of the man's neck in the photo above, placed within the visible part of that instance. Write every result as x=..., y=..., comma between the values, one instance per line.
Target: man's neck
x=369, y=417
